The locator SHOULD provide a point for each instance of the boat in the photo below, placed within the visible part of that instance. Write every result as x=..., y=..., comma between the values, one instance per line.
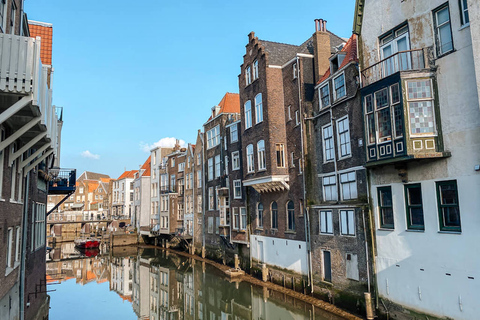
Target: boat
x=87, y=243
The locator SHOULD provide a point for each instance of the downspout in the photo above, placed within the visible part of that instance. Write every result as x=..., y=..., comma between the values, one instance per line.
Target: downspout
x=24, y=247
x=193, y=200
x=203, y=197
x=306, y=211
x=21, y=18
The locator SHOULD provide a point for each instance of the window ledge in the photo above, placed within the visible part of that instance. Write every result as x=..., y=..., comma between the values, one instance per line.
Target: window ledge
x=450, y=232
x=385, y=229
x=466, y=25
x=326, y=234
x=415, y=230
x=290, y=232
x=2, y=200
x=261, y=170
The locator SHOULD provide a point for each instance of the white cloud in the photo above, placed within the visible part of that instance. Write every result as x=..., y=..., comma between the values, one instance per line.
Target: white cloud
x=164, y=142
x=87, y=154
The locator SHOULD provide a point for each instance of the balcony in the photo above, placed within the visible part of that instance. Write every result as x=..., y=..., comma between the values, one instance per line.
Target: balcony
x=268, y=184
x=62, y=181
x=401, y=61
x=26, y=100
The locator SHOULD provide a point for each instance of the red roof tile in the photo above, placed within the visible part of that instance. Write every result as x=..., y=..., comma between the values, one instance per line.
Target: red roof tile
x=147, y=167
x=350, y=50
x=230, y=104
x=45, y=32
x=128, y=174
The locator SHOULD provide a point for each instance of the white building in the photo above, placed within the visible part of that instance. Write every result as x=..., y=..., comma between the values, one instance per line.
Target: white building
x=422, y=129
x=141, y=198
x=123, y=195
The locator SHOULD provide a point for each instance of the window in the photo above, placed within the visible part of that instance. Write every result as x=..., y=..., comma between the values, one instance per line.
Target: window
x=347, y=222
x=235, y=160
x=414, y=206
x=290, y=216
x=173, y=162
x=258, y=108
x=339, y=85
x=80, y=190
x=330, y=188
x=211, y=200
x=199, y=203
x=384, y=121
x=348, y=184
x=464, y=13
x=248, y=114
x=9, y=247
x=297, y=118
x=40, y=231
x=199, y=159
x=199, y=179
x=233, y=133
x=448, y=207
x=385, y=206
x=250, y=160
x=289, y=113
x=274, y=211
x=326, y=225
x=295, y=71
x=217, y=166
x=181, y=167
x=237, y=189
x=393, y=42
x=260, y=215
x=2, y=15
x=213, y=137
x=210, y=169
x=280, y=150
x=248, y=76
x=13, y=10
x=255, y=70
x=420, y=106
x=262, y=163
x=236, y=219
x=324, y=94
x=443, y=30
x=344, y=137
x=243, y=214
x=328, y=149
x=172, y=183
x=210, y=225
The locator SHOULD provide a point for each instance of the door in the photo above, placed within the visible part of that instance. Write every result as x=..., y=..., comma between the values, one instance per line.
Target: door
x=396, y=62
x=327, y=266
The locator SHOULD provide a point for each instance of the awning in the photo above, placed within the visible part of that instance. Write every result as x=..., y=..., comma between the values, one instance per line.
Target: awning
x=268, y=184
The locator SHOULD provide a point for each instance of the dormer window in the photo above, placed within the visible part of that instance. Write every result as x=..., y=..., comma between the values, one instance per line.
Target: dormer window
x=336, y=62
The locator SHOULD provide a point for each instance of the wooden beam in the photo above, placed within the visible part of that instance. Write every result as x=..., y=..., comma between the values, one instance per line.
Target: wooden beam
x=33, y=156
x=30, y=167
x=30, y=144
x=17, y=134
x=17, y=106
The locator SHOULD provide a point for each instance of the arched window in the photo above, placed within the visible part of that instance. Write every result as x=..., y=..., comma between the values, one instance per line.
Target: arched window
x=260, y=215
x=274, y=211
x=290, y=216
x=250, y=160
x=248, y=114
x=258, y=108
x=262, y=163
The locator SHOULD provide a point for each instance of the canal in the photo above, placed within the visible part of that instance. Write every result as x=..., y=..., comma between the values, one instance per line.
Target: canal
x=155, y=284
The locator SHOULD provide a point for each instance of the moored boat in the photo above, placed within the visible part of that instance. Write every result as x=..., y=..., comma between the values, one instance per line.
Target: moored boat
x=87, y=243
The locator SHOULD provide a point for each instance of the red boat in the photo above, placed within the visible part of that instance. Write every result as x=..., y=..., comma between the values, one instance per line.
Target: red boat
x=87, y=243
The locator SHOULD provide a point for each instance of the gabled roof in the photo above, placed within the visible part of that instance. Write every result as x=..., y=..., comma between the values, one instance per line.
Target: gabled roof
x=92, y=186
x=147, y=167
x=45, y=31
x=350, y=50
x=88, y=175
x=128, y=174
x=230, y=104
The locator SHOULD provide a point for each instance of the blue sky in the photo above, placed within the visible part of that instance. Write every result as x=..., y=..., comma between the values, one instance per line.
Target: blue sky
x=129, y=76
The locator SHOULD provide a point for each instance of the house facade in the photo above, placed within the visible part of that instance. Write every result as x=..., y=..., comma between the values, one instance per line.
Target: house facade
x=141, y=198
x=122, y=206
x=422, y=122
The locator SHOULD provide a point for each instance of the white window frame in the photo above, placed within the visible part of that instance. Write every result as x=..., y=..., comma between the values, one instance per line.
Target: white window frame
x=344, y=86
x=292, y=159
x=325, y=220
x=289, y=113
x=324, y=144
x=347, y=182
x=243, y=218
x=320, y=95
x=437, y=27
x=236, y=218
x=347, y=222
x=3, y=9
x=409, y=101
x=344, y=137
x=297, y=118
x=181, y=167
x=9, y=248
x=260, y=215
x=237, y=189
x=295, y=71
x=258, y=108
x=248, y=114
x=262, y=161
x=217, y=166
x=250, y=159
x=210, y=169
x=211, y=199
x=248, y=75
x=464, y=13
x=233, y=133
x=331, y=186
x=199, y=179
x=255, y=70
x=235, y=160
x=213, y=137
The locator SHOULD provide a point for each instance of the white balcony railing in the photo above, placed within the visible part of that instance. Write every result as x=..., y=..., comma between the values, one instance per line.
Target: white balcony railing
x=22, y=72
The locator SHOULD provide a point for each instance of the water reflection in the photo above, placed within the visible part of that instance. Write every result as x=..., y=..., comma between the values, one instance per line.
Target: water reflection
x=163, y=285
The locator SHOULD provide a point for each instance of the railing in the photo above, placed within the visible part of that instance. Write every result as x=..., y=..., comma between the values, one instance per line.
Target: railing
x=21, y=71
x=400, y=61
x=62, y=181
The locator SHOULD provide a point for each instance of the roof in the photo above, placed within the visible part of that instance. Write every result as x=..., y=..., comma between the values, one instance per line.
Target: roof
x=280, y=53
x=45, y=31
x=92, y=186
x=88, y=175
x=147, y=166
x=230, y=103
x=105, y=180
x=128, y=174
x=350, y=50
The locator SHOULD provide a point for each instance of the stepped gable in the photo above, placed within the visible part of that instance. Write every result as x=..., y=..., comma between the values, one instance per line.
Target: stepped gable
x=350, y=50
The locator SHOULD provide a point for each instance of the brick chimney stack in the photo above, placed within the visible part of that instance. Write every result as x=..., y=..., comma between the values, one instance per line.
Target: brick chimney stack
x=322, y=48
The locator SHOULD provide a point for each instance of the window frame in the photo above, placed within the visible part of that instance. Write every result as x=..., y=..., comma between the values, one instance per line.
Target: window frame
x=348, y=231
x=248, y=114
x=260, y=212
x=384, y=225
x=235, y=160
x=250, y=159
x=258, y=108
x=210, y=166
x=414, y=100
x=324, y=145
x=349, y=182
x=213, y=137
x=330, y=186
x=243, y=214
x=463, y=7
x=248, y=76
x=290, y=211
x=408, y=206
x=339, y=138
x=297, y=117
x=436, y=28
x=218, y=170
x=280, y=152
x=255, y=69
x=323, y=215
x=211, y=199
x=261, y=155
x=237, y=195
x=440, y=206
x=233, y=133
x=320, y=95
x=295, y=71
x=335, y=96
x=274, y=215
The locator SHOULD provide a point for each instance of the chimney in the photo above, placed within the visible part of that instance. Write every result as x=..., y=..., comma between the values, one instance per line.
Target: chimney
x=322, y=49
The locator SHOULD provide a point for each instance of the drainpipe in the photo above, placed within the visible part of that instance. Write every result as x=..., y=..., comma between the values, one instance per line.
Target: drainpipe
x=24, y=247
x=193, y=201
x=306, y=212
x=21, y=18
x=203, y=196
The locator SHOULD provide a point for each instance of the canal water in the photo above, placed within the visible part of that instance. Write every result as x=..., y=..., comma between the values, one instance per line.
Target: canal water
x=154, y=284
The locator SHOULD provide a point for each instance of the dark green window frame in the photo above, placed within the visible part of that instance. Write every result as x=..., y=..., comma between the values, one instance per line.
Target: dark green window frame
x=447, y=211
x=415, y=220
x=385, y=208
